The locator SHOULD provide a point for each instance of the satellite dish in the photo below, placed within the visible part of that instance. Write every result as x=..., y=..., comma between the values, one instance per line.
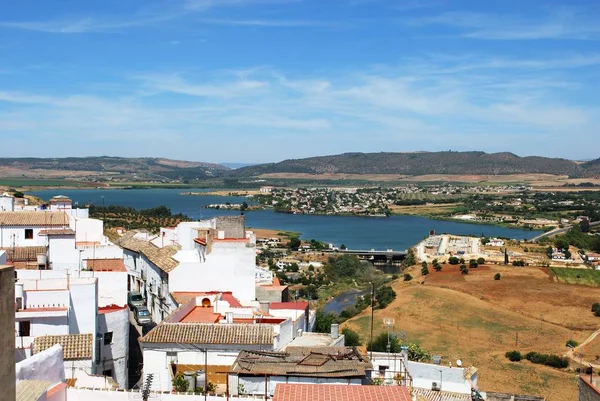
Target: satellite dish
x=458, y=363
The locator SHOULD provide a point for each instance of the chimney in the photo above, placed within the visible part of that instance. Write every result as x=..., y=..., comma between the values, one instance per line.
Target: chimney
x=264, y=307
x=299, y=333
x=335, y=331
x=229, y=317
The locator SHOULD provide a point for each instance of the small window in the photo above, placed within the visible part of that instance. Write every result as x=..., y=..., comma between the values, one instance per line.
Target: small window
x=29, y=233
x=107, y=372
x=25, y=328
x=108, y=340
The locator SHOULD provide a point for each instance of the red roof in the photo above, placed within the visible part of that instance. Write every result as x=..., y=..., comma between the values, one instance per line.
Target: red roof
x=110, y=308
x=110, y=265
x=201, y=315
x=302, y=305
x=337, y=392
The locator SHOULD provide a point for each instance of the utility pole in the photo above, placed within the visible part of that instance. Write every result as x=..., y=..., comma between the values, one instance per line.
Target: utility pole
x=372, y=314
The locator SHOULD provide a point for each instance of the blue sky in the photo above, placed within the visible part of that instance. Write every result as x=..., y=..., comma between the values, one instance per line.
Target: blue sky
x=266, y=80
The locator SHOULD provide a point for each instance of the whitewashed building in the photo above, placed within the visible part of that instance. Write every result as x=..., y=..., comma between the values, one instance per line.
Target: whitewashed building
x=215, y=255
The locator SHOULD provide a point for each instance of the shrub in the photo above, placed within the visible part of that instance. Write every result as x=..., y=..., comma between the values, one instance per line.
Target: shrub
x=463, y=267
x=518, y=263
x=407, y=277
x=513, y=356
x=481, y=261
x=453, y=260
x=180, y=384
x=394, y=276
x=424, y=265
x=554, y=361
x=595, y=306
x=437, y=267
x=497, y=276
x=425, y=271
x=572, y=343
x=351, y=337
x=473, y=264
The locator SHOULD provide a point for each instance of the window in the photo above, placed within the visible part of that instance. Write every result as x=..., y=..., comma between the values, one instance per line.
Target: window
x=25, y=328
x=29, y=233
x=107, y=372
x=108, y=340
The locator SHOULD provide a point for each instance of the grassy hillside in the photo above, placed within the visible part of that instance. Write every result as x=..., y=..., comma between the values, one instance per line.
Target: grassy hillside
x=421, y=164
x=145, y=167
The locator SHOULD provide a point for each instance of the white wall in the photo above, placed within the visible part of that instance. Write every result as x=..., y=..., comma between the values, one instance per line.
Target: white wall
x=62, y=252
x=7, y=203
x=46, y=365
x=116, y=353
x=104, y=250
x=88, y=230
x=78, y=394
x=229, y=267
x=157, y=362
x=84, y=308
x=10, y=235
x=112, y=287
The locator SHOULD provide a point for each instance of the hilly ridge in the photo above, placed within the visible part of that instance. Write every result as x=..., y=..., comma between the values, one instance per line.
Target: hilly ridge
x=423, y=163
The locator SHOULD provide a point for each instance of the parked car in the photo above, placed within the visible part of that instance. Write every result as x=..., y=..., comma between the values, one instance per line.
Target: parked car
x=142, y=315
x=147, y=327
x=135, y=299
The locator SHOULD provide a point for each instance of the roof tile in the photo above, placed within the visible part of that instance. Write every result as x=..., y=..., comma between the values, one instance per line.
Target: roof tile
x=34, y=218
x=75, y=346
x=200, y=333
x=337, y=392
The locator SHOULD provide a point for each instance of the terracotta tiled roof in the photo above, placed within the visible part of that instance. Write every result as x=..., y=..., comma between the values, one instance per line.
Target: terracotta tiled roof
x=338, y=392
x=36, y=219
x=24, y=253
x=199, y=333
x=201, y=315
x=302, y=305
x=342, y=362
x=111, y=265
x=58, y=231
x=75, y=346
x=161, y=257
x=430, y=395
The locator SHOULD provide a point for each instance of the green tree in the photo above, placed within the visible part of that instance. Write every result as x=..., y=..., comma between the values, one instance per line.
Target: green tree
x=417, y=354
x=453, y=260
x=294, y=243
x=584, y=224
x=244, y=206
x=424, y=271
x=18, y=194
x=323, y=322
x=497, y=276
x=481, y=261
x=351, y=337
x=407, y=277
x=380, y=343
x=384, y=296
x=424, y=265
x=343, y=247
x=437, y=267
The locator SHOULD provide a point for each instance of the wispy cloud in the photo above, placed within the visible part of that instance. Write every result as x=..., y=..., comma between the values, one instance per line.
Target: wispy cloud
x=418, y=104
x=208, y=4
x=557, y=24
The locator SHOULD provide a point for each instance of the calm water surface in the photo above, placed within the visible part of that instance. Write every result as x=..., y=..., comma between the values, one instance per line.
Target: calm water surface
x=395, y=232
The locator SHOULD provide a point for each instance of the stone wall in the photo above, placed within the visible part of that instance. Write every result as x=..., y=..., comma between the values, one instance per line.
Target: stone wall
x=588, y=392
x=7, y=333
x=233, y=226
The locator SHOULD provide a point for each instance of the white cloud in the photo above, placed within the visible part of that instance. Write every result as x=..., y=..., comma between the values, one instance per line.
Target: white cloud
x=419, y=104
x=557, y=24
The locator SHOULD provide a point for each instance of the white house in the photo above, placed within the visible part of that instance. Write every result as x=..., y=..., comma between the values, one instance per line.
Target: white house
x=202, y=256
x=57, y=304
x=255, y=372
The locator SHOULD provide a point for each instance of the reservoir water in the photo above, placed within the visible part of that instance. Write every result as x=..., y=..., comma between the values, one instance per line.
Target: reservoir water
x=395, y=232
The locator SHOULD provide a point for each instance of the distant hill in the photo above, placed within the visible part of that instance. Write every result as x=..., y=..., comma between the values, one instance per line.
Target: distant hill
x=238, y=165
x=421, y=163
x=142, y=167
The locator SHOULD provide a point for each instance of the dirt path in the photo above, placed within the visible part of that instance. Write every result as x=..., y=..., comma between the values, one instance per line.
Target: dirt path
x=571, y=353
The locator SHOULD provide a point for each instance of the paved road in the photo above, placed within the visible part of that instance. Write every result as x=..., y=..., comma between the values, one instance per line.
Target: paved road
x=559, y=231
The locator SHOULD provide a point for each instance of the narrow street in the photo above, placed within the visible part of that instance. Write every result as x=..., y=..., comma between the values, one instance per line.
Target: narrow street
x=135, y=352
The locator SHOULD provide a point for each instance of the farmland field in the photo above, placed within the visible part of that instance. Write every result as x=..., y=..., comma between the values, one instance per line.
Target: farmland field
x=576, y=276
x=477, y=319
x=35, y=182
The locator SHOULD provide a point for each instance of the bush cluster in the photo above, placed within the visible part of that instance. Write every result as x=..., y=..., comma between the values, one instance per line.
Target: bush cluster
x=554, y=361
x=513, y=356
x=596, y=308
